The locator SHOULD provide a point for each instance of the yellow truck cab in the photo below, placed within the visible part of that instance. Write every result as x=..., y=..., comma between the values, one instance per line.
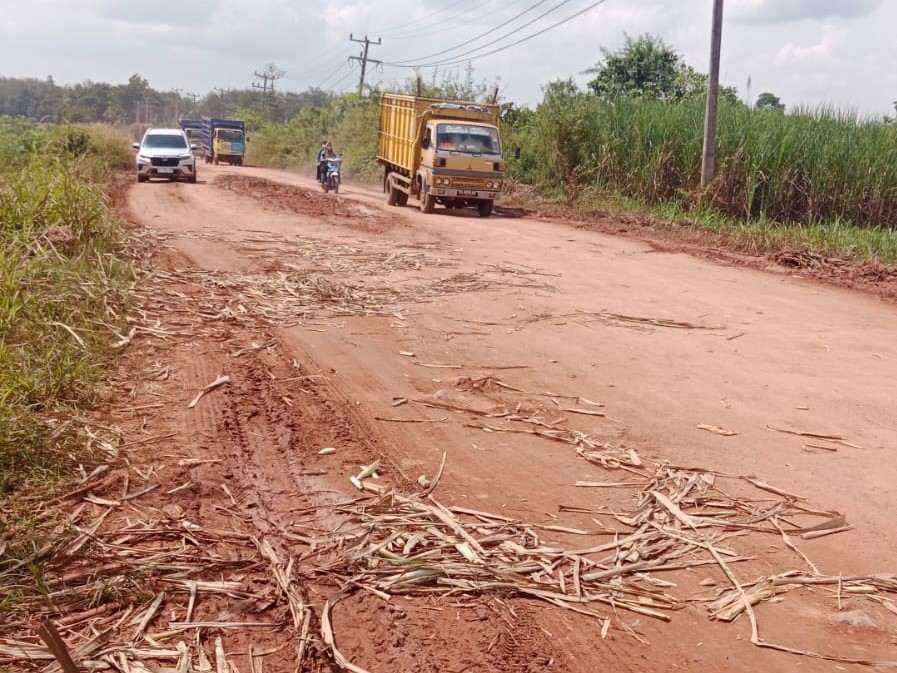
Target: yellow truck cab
x=446, y=152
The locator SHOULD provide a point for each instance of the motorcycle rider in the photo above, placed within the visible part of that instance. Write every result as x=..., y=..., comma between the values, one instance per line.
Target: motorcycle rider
x=325, y=154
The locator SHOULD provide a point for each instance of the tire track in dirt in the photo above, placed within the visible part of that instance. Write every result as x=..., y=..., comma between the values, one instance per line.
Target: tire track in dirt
x=265, y=440
x=264, y=430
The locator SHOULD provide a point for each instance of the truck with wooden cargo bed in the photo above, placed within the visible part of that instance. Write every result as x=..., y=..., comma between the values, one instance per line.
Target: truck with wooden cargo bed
x=439, y=151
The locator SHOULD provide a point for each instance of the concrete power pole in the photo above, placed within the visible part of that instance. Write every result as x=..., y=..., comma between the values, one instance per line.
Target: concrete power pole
x=708, y=159
x=264, y=76
x=364, y=59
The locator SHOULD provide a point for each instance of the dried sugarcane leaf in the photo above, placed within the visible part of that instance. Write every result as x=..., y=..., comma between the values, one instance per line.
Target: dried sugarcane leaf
x=717, y=430
x=327, y=635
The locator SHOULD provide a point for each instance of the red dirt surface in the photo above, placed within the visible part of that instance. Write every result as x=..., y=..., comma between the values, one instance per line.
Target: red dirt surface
x=356, y=308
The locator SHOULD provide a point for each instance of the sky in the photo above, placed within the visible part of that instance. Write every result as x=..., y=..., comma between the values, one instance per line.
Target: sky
x=808, y=52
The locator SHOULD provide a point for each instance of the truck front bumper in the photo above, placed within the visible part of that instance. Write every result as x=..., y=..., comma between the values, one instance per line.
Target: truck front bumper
x=473, y=194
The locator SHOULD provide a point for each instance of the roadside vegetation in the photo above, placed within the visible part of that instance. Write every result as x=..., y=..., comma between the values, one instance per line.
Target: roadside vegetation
x=628, y=142
x=61, y=281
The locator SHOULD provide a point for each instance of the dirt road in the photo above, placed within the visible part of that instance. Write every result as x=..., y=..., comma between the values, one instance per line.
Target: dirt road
x=533, y=355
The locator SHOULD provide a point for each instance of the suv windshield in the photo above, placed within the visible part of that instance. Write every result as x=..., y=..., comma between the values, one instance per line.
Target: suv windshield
x=467, y=139
x=165, y=141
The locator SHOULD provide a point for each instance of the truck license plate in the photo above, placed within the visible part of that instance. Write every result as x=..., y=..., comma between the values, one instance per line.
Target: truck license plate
x=165, y=170
x=467, y=192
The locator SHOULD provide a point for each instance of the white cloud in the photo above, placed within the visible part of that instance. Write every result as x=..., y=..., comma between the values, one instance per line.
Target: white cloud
x=806, y=51
x=793, y=54
x=773, y=11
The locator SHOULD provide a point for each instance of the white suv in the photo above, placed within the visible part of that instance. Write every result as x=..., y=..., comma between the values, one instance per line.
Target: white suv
x=165, y=153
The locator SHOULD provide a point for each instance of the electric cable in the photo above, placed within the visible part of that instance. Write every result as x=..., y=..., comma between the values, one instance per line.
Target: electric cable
x=499, y=49
x=384, y=31
x=477, y=37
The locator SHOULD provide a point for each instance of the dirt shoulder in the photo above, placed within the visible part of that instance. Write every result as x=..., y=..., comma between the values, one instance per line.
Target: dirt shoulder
x=566, y=446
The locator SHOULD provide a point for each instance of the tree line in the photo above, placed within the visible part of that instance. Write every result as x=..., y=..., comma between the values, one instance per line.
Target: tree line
x=136, y=102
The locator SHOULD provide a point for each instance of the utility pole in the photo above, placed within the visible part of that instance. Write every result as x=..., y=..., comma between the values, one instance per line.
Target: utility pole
x=271, y=74
x=219, y=95
x=264, y=87
x=363, y=58
x=708, y=159
x=177, y=101
x=193, y=97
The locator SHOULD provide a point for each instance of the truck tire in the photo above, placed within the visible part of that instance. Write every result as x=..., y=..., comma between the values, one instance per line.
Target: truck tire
x=215, y=159
x=428, y=204
x=484, y=208
x=396, y=197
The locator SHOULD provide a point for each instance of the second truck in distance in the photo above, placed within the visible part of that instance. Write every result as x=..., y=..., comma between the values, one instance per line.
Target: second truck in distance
x=223, y=140
x=438, y=151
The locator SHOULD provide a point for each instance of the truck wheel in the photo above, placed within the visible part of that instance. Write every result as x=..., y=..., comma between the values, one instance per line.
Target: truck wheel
x=393, y=196
x=484, y=208
x=428, y=205
x=403, y=199
x=215, y=159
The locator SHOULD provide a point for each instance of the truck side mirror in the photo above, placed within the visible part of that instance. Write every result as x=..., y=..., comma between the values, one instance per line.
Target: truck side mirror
x=425, y=143
x=516, y=152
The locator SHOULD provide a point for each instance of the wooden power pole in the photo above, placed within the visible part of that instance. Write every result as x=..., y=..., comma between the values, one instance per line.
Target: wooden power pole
x=363, y=58
x=708, y=159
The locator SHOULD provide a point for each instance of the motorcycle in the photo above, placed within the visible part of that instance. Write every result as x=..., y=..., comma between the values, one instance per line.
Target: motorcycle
x=330, y=175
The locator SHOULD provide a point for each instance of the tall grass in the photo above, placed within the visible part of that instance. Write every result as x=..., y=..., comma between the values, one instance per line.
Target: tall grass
x=348, y=122
x=808, y=167
x=60, y=281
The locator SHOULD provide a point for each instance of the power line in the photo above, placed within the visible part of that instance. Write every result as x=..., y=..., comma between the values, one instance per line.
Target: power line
x=508, y=46
x=491, y=30
x=318, y=66
x=344, y=77
x=385, y=31
x=332, y=74
x=444, y=23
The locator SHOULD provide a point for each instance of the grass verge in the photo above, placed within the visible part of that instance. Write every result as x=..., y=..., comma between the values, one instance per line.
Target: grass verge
x=705, y=227
x=62, y=283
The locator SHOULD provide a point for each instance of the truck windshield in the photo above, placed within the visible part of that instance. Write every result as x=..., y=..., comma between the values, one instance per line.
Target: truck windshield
x=467, y=139
x=230, y=135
